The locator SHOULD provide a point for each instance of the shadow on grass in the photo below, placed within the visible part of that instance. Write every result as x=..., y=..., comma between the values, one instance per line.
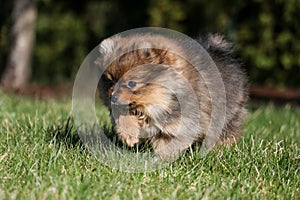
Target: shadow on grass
x=65, y=133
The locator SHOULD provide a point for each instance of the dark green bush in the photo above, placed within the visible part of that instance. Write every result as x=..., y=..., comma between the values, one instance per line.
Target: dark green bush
x=266, y=32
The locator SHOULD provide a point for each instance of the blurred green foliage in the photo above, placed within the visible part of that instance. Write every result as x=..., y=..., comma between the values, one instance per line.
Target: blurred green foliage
x=270, y=40
x=266, y=33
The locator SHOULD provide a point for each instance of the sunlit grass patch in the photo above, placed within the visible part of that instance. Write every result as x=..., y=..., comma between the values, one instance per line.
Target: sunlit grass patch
x=41, y=157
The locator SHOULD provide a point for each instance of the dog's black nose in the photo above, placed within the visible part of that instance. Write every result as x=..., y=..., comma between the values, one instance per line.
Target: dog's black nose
x=114, y=98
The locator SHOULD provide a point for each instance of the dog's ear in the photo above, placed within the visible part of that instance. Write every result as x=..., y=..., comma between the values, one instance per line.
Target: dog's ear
x=106, y=46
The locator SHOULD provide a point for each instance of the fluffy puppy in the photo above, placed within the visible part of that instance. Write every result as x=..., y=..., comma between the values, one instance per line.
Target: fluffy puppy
x=157, y=95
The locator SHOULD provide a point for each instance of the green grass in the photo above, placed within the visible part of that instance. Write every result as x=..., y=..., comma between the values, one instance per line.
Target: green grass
x=41, y=158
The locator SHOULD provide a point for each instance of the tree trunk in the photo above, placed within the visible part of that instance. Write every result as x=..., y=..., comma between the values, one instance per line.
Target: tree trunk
x=18, y=68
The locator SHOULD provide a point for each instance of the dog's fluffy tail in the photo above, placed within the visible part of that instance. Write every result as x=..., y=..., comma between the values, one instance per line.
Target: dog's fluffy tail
x=220, y=49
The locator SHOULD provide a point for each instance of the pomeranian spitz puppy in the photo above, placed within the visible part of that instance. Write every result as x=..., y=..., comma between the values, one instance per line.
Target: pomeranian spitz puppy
x=158, y=96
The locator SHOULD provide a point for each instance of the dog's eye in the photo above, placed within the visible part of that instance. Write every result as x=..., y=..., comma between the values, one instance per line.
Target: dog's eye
x=131, y=84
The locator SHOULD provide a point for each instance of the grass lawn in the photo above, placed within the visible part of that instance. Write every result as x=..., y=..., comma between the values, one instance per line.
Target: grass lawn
x=41, y=158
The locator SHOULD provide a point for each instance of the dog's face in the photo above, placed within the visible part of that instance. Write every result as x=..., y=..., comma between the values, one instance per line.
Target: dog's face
x=142, y=104
x=121, y=54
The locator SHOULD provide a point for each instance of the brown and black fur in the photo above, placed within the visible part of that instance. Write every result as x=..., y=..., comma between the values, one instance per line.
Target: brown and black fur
x=153, y=110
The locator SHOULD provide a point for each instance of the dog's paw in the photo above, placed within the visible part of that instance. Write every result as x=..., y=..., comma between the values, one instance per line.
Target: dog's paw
x=128, y=129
